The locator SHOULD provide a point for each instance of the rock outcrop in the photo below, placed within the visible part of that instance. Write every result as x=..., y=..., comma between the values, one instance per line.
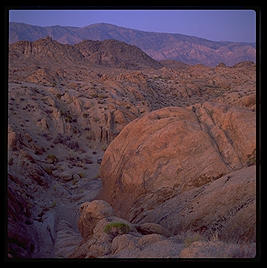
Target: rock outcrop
x=178, y=149
x=90, y=214
x=225, y=207
x=109, y=53
x=113, y=237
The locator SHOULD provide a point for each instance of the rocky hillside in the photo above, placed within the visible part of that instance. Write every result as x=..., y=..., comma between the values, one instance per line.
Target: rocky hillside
x=159, y=46
x=110, y=53
x=109, y=161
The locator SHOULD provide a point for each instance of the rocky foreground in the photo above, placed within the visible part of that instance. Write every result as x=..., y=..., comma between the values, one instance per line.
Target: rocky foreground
x=107, y=161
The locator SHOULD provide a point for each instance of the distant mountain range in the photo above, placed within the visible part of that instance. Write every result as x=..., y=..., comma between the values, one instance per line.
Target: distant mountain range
x=160, y=46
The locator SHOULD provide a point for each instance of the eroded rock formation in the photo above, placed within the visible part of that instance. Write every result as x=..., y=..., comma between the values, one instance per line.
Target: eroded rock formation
x=176, y=148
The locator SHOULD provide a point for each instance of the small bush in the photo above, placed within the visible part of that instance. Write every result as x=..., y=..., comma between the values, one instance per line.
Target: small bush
x=117, y=227
x=81, y=174
x=94, y=95
x=104, y=147
x=58, y=96
x=54, y=203
x=68, y=118
x=48, y=170
x=252, y=158
x=52, y=158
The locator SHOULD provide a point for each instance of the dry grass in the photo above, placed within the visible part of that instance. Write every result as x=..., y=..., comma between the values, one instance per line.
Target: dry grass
x=218, y=249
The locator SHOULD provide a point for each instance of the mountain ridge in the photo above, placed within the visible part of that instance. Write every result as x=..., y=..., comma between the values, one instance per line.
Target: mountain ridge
x=133, y=29
x=109, y=53
x=159, y=46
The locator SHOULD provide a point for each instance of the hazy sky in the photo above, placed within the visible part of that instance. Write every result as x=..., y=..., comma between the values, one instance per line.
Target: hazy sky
x=217, y=25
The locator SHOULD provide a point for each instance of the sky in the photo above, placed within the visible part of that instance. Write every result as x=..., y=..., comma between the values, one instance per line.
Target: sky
x=216, y=25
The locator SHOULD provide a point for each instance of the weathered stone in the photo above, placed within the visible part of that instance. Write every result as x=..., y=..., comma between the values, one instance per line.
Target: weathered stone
x=152, y=228
x=90, y=214
x=176, y=148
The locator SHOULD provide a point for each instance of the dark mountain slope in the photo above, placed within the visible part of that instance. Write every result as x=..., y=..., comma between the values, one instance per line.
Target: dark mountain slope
x=110, y=53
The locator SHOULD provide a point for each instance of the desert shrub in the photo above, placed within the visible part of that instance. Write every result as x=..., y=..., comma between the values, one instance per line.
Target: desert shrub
x=117, y=227
x=219, y=249
x=81, y=174
x=94, y=95
x=39, y=150
x=252, y=158
x=68, y=118
x=52, y=158
x=53, y=204
x=74, y=145
x=104, y=147
x=48, y=170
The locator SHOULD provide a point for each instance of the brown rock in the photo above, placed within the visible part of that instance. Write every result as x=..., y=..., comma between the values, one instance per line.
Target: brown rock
x=226, y=206
x=14, y=139
x=152, y=228
x=98, y=242
x=90, y=214
x=176, y=148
